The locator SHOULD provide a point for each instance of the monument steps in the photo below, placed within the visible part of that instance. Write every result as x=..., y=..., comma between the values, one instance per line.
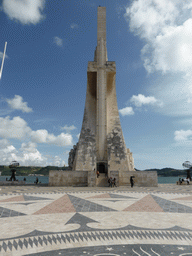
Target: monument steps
x=102, y=181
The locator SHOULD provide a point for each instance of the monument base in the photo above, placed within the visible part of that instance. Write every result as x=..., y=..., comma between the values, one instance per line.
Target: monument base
x=12, y=183
x=88, y=178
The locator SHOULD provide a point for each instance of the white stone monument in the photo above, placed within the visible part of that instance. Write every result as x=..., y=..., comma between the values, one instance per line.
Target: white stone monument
x=101, y=143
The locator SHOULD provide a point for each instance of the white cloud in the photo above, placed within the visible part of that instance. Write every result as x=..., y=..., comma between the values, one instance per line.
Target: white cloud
x=74, y=26
x=68, y=128
x=29, y=147
x=165, y=28
x=147, y=18
x=18, y=104
x=57, y=161
x=27, y=155
x=126, y=111
x=16, y=128
x=24, y=11
x=161, y=54
x=183, y=135
x=140, y=100
x=58, y=41
x=42, y=136
x=4, y=143
x=5, y=147
x=78, y=135
x=160, y=23
x=6, y=152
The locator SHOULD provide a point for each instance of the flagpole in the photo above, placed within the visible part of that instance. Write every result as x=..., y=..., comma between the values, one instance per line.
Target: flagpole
x=3, y=60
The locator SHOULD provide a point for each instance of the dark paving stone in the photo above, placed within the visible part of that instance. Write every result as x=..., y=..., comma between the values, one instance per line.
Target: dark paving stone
x=82, y=221
x=10, y=245
x=20, y=243
x=34, y=198
x=4, y=213
x=120, y=250
x=25, y=203
x=82, y=205
x=120, y=196
x=15, y=244
x=26, y=243
x=169, y=206
x=4, y=246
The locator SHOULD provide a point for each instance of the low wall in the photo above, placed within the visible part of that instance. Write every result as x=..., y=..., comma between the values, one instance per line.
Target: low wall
x=88, y=178
x=142, y=178
x=12, y=183
x=91, y=178
x=68, y=178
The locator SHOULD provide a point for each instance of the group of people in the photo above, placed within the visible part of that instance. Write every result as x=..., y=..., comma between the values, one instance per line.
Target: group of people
x=112, y=182
x=184, y=180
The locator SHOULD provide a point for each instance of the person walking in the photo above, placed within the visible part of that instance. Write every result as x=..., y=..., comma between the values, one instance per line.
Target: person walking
x=110, y=182
x=114, y=182
x=131, y=181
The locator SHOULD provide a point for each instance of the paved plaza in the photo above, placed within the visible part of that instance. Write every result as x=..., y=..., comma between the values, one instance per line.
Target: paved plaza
x=36, y=220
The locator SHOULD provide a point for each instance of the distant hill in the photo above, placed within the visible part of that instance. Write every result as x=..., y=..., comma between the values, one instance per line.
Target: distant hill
x=34, y=170
x=168, y=172
x=26, y=170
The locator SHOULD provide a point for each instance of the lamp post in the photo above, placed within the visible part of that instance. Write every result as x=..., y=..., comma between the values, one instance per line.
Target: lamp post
x=188, y=165
x=3, y=59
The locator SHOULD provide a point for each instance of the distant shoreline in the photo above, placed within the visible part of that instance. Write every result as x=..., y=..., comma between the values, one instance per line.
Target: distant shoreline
x=44, y=171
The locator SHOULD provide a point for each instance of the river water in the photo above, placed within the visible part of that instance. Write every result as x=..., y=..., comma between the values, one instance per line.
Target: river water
x=45, y=179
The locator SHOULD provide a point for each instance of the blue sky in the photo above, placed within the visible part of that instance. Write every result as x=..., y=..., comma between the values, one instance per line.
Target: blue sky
x=43, y=84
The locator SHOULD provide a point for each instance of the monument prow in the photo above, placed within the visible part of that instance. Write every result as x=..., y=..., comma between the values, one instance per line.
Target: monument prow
x=101, y=144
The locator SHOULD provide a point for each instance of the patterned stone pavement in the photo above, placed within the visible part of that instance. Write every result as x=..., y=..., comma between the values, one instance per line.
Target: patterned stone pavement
x=96, y=221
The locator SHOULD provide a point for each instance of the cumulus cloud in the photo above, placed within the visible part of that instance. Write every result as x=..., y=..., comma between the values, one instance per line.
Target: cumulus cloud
x=148, y=18
x=165, y=28
x=42, y=136
x=24, y=11
x=57, y=161
x=58, y=41
x=29, y=147
x=74, y=26
x=183, y=135
x=6, y=152
x=26, y=155
x=16, y=128
x=139, y=100
x=126, y=111
x=163, y=55
x=160, y=23
x=68, y=128
x=5, y=147
x=18, y=104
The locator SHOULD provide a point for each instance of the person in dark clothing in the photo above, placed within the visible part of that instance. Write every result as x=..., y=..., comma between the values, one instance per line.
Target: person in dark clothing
x=131, y=181
x=110, y=182
x=114, y=182
x=13, y=175
x=37, y=180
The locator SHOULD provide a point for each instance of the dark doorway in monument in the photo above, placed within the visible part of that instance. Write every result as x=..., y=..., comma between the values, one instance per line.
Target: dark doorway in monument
x=102, y=167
